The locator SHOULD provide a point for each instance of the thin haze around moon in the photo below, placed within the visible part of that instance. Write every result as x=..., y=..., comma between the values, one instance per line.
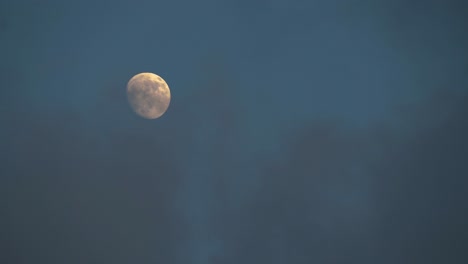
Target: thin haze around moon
x=148, y=95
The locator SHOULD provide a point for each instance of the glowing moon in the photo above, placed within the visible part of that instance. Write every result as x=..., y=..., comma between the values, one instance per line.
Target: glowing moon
x=148, y=95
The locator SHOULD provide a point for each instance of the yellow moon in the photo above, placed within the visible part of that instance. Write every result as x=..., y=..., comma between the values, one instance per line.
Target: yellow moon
x=148, y=95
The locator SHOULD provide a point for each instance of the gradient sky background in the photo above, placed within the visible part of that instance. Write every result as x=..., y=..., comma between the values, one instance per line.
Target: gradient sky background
x=326, y=131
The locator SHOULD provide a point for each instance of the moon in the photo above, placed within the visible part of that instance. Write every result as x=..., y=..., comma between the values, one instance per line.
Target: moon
x=148, y=95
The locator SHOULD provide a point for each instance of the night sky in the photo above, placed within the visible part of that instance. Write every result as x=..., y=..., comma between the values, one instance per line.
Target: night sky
x=299, y=132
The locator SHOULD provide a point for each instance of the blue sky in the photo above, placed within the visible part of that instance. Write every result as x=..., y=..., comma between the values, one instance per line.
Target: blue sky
x=310, y=100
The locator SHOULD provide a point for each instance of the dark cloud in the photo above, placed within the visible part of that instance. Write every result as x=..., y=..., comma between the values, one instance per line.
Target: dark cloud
x=421, y=184
x=73, y=196
x=338, y=196
x=311, y=205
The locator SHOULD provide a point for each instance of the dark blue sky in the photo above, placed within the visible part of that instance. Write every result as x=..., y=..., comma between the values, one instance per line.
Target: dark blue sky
x=298, y=132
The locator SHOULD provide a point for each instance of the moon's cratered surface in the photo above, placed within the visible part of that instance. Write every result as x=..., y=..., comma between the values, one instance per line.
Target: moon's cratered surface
x=148, y=95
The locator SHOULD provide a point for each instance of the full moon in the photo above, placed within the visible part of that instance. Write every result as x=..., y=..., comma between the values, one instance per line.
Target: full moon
x=148, y=95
